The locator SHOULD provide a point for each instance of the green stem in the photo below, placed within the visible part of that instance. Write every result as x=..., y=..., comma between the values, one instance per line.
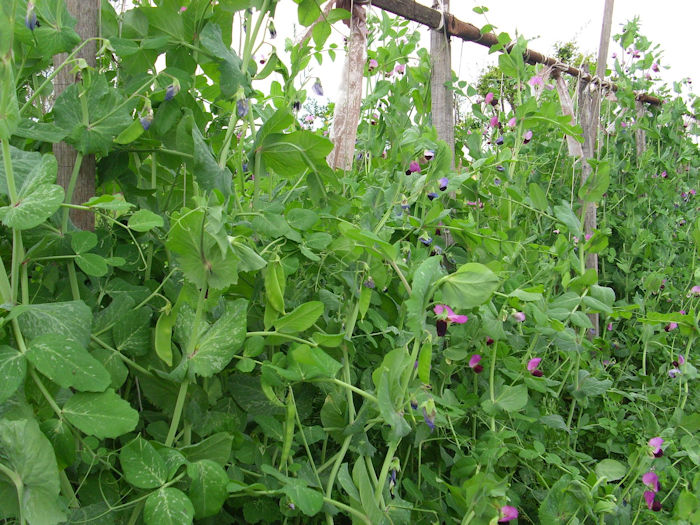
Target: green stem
x=70, y=190
x=379, y=489
x=9, y=174
x=348, y=509
x=73, y=280
x=17, y=481
x=47, y=395
x=283, y=336
x=492, y=385
x=334, y=472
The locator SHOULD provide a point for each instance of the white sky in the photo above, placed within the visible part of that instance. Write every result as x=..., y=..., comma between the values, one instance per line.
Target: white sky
x=672, y=24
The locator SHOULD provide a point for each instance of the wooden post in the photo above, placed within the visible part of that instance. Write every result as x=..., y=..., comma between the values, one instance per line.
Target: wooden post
x=347, y=109
x=589, y=105
x=442, y=99
x=87, y=13
x=640, y=136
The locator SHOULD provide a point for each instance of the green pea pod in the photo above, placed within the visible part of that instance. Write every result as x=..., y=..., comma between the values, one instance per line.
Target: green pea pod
x=163, y=336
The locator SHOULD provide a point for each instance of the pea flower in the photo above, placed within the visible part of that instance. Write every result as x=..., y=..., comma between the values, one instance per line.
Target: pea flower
x=183, y=9
x=500, y=168
x=432, y=195
x=242, y=108
x=429, y=414
x=507, y=514
x=446, y=316
x=655, y=444
x=443, y=182
x=680, y=361
x=695, y=290
x=474, y=364
x=309, y=118
x=318, y=88
x=671, y=326
x=273, y=31
x=172, y=90
x=413, y=167
x=426, y=240
x=511, y=122
x=674, y=372
x=519, y=316
x=651, y=480
x=650, y=498
x=494, y=121
x=610, y=327
x=655, y=67
x=30, y=18
x=527, y=137
x=373, y=64
x=400, y=69
x=532, y=365
x=536, y=81
x=489, y=341
x=428, y=154
x=488, y=98
x=499, y=141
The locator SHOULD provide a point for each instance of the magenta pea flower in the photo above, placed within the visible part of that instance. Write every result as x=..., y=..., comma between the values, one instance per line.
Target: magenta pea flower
x=651, y=480
x=610, y=327
x=183, y=9
x=488, y=98
x=507, y=514
x=695, y=290
x=474, y=363
x=519, y=316
x=413, y=167
x=536, y=81
x=446, y=316
x=494, y=121
x=527, y=136
x=671, y=326
x=650, y=498
x=532, y=365
x=373, y=64
x=442, y=183
x=400, y=69
x=655, y=444
x=655, y=67
x=511, y=122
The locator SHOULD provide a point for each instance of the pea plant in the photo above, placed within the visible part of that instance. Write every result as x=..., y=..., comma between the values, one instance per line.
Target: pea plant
x=249, y=336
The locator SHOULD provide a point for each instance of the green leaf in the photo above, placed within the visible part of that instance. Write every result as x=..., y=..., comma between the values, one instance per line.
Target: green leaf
x=596, y=184
x=9, y=109
x=40, y=131
x=145, y=220
x=142, y=465
x=104, y=415
x=208, y=488
x=308, y=500
x=471, y=285
x=310, y=362
x=83, y=241
x=220, y=343
x=565, y=215
x=423, y=278
x=610, y=469
x=131, y=133
x=302, y=317
x=107, y=115
x=554, y=421
x=216, y=447
x=197, y=251
x=92, y=264
x=302, y=219
x=292, y=154
x=308, y=12
x=538, y=197
x=388, y=411
x=512, y=398
x=71, y=319
x=168, y=506
x=208, y=174
x=26, y=451
x=13, y=368
x=132, y=332
x=67, y=363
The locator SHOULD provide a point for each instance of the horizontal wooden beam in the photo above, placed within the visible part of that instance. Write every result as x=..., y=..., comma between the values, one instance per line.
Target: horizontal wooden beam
x=412, y=10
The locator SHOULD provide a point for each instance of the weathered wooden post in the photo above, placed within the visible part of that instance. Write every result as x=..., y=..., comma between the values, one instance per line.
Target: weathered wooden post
x=442, y=98
x=347, y=108
x=640, y=136
x=87, y=13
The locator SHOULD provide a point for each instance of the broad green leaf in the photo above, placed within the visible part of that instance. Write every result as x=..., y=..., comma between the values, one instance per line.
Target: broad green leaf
x=220, y=343
x=40, y=131
x=71, y=319
x=611, y=469
x=83, y=241
x=565, y=215
x=113, y=363
x=308, y=500
x=302, y=317
x=426, y=274
x=302, y=219
x=216, y=447
x=538, y=197
x=33, y=209
x=30, y=170
x=471, y=285
x=388, y=411
x=309, y=11
x=92, y=264
x=554, y=421
x=13, y=368
x=104, y=415
x=292, y=154
x=596, y=184
x=168, y=506
x=310, y=362
x=232, y=76
x=197, y=252
x=132, y=332
x=278, y=122
x=596, y=305
x=145, y=220
x=26, y=451
x=9, y=109
x=67, y=363
x=142, y=465
x=208, y=488
x=512, y=398
x=56, y=33
x=61, y=437
x=208, y=174
x=107, y=115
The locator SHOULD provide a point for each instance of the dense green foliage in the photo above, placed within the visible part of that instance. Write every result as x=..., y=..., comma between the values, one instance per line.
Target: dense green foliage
x=250, y=337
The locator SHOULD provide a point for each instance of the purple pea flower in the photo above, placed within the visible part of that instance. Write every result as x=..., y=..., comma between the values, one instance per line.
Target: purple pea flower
x=489, y=341
x=532, y=365
x=610, y=327
x=671, y=326
x=507, y=514
x=650, y=498
x=443, y=182
x=445, y=317
x=428, y=154
x=474, y=364
x=429, y=419
x=527, y=137
x=400, y=69
x=499, y=141
x=373, y=64
x=536, y=81
x=30, y=18
x=519, y=316
x=171, y=91
x=511, y=122
x=494, y=121
x=146, y=121
x=673, y=373
x=655, y=67
x=651, y=480
x=414, y=404
x=318, y=88
x=488, y=98
x=413, y=167
x=242, y=108
x=500, y=168
x=432, y=195
x=272, y=30
x=655, y=444
x=426, y=240
x=695, y=290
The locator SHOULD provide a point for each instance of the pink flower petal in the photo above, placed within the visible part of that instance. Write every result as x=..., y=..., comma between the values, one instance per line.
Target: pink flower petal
x=649, y=498
x=533, y=363
x=474, y=360
x=651, y=480
x=508, y=513
x=489, y=98
x=458, y=319
x=439, y=308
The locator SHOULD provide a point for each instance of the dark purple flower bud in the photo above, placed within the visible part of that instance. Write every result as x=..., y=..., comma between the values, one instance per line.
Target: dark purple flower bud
x=500, y=168
x=318, y=88
x=441, y=327
x=146, y=122
x=478, y=369
x=443, y=182
x=489, y=341
x=30, y=18
x=432, y=195
x=429, y=419
x=296, y=105
x=414, y=404
x=171, y=91
x=537, y=373
x=656, y=506
x=245, y=167
x=499, y=141
x=426, y=240
x=273, y=31
x=242, y=108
